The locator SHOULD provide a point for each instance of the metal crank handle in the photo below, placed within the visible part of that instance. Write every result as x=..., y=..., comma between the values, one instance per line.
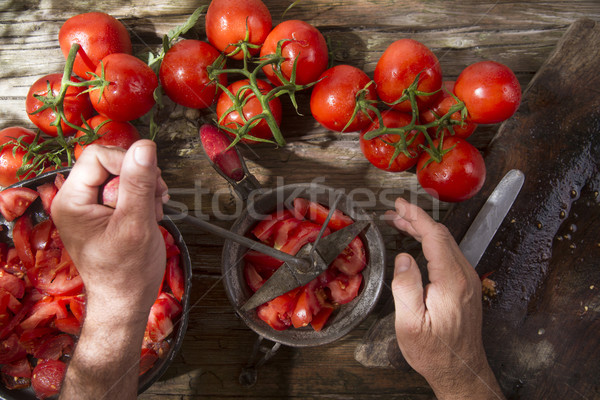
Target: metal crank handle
x=299, y=263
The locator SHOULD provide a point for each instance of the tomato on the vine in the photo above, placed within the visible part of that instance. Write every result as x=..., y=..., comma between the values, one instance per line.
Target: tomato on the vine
x=184, y=77
x=112, y=133
x=441, y=107
x=251, y=107
x=490, y=91
x=458, y=176
x=98, y=34
x=398, y=68
x=130, y=93
x=379, y=153
x=76, y=105
x=228, y=20
x=333, y=98
x=11, y=156
x=305, y=46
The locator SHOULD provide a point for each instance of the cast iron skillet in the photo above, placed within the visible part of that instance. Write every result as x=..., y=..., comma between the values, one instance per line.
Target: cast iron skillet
x=175, y=341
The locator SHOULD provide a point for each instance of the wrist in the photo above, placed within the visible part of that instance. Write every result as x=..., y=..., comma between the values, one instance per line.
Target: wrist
x=472, y=381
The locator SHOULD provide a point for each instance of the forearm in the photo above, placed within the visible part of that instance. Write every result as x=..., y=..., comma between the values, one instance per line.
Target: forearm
x=105, y=364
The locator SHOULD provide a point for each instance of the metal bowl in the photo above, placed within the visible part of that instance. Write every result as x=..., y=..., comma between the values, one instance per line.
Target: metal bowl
x=175, y=340
x=346, y=317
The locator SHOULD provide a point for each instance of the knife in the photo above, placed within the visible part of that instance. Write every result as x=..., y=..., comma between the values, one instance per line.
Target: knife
x=287, y=277
x=491, y=215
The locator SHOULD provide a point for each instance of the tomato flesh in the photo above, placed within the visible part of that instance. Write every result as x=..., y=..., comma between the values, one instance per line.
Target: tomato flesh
x=14, y=201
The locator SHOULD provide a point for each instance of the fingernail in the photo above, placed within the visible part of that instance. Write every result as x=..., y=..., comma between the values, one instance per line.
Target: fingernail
x=402, y=263
x=144, y=156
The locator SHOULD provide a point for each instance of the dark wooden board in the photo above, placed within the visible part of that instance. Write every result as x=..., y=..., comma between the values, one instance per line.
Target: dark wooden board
x=541, y=330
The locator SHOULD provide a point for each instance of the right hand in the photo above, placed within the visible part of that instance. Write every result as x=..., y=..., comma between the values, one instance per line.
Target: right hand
x=438, y=326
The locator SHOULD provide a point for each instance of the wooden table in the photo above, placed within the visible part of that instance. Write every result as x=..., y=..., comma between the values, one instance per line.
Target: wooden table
x=520, y=34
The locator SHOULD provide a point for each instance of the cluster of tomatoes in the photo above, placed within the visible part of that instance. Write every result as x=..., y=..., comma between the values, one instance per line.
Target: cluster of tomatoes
x=313, y=303
x=42, y=298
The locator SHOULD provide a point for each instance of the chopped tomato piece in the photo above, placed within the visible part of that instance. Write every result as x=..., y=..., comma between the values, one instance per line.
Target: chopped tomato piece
x=59, y=180
x=11, y=350
x=302, y=314
x=54, y=274
x=278, y=312
x=47, y=192
x=353, y=259
x=12, y=284
x=175, y=277
x=171, y=246
x=283, y=231
x=253, y=278
x=264, y=229
x=262, y=261
x=306, y=232
x=43, y=311
x=47, y=378
x=54, y=347
x=70, y=325
x=31, y=339
x=16, y=375
x=344, y=288
x=41, y=235
x=14, y=201
x=321, y=318
x=147, y=360
x=318, y=213
x=21, y=233
x=164, y=311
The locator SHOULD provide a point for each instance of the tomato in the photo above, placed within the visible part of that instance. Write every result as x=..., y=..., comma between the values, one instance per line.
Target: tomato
x=70, y=325
x=21, y=233
x=344, y=288
x=184, y=77
x=147, y=360
x=283, y=231
x=98, y=34
x=112, y=133
x=302, y=314
x=304, y=45
x=171, y=246
x=16, y=375
x=440, y=107
x=228, y=20
x=318, y=213
x=76, y=105
x=175, y=277
x=41, y=235
x=216, y=146
x=333, y=99
x=264, y=229
x=253, y=278
x=47, y=378
x=398, y=68
x=251, y=108
x=459, y=175
x=130, y=93
x=490, y=91
x=54, y=275
x=47, y=192
x=318, y=321
x=353, y=259
x=12, y=284
x=379, y=153
x=11, y=350
x=278, y=312
x=163, y=313
x=11, y=156
x=54, y=347
x=262, y=261
x=43, y=311
x=14, y=201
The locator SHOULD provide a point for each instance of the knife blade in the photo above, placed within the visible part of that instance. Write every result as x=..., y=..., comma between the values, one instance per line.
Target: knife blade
x=491, y=215
x=287, y=277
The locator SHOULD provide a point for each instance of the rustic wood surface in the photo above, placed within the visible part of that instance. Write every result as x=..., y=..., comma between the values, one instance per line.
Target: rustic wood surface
x=520, y=34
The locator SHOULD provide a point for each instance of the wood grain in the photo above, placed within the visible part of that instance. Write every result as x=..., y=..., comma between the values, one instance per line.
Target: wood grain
x=520, y=34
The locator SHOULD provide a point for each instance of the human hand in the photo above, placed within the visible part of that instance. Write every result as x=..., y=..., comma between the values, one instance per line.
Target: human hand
x=119, y=253
x=438, y=326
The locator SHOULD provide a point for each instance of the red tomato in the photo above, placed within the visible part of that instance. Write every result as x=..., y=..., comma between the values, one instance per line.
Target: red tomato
x=344, y=288
x=43, y=312
x=318, y=213
x=47, y=378
x=216, y=146
x=184, y=77
x=490, y=91
x=98, y=34
x=12, y=284
x=164, y=312
x=459, y=175
x=47, y=192
x=333, y=98
x=278, y=312
x=228, y=20
x=302, y=314
x=130, y=93
x=76, y=105
x=262, y=261
x=305, y=46
x=264, y=229
x=379, y=153
x=398, y=68
x=21, y=233
x=252, y=107
x=147, y=360
x=253, y=278
x=440, y=107
x=53, y=275
x=11, y=156
x=171, y=246
x=13, y=374
x=112, y=133
x=11, y=350
x=41, y=235
x=175, y=277
x=353, y=259
x=283, y=231
x=319, y=320
x=54, y=347
x=70, y=325
x=14, y=201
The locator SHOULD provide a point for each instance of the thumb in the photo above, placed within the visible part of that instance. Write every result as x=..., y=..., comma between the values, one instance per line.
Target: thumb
x=138, y=180
x=407, y=288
